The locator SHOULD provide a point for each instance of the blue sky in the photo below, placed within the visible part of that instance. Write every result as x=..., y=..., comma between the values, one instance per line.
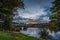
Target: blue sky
x=35, y=10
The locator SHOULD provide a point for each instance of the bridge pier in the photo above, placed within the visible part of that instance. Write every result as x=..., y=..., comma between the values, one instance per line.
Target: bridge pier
x=23, y=28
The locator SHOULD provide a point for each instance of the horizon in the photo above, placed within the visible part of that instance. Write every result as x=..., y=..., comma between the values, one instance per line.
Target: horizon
x=35, y=10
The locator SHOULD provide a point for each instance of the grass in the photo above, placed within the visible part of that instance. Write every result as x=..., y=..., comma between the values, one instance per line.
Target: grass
x=20, y=36
x=5, y=36
x=25, y=37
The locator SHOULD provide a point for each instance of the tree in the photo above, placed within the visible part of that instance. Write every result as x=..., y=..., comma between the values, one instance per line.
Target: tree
x=55, y=18
x=44, y=33
x=6, y=9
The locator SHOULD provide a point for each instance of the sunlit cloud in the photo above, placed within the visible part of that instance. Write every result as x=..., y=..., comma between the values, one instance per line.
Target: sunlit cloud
x=37, y=10
x=33, y=14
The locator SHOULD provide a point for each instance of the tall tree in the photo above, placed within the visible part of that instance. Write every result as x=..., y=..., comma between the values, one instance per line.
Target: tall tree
x=6, y=9
x=55, y=18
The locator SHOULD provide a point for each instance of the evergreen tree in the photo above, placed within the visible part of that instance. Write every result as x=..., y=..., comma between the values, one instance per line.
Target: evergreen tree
x=55, y=18
x=6, y=11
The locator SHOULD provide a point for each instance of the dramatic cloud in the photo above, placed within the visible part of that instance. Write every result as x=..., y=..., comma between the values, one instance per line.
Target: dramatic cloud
x=32, y=15
x=37, y=10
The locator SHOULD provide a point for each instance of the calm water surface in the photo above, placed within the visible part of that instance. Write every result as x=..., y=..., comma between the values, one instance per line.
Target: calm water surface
x=35, y=32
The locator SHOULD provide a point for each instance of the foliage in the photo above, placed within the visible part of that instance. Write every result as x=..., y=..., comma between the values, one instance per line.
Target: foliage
x=19, y=36
x=6, y=11
x=44, y=33
x=55, y=24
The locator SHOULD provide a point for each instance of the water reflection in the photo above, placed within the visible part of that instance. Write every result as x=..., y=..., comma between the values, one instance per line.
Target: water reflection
x=32, y=32
x=35, y=33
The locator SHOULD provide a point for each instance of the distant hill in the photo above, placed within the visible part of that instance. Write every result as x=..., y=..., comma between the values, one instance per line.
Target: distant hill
x=30, y=22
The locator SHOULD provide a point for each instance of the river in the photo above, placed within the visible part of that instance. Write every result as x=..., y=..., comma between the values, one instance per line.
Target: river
x=35, y=33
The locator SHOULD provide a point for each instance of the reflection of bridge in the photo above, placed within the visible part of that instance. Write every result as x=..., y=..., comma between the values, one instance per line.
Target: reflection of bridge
x=25, y=25
x=22, y=27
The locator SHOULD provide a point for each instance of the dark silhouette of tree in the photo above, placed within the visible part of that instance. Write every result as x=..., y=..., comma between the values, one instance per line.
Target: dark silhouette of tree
x=6, y=11
x=55, y=18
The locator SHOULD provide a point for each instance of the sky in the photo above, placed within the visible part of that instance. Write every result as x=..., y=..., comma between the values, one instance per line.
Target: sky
x=35, y=10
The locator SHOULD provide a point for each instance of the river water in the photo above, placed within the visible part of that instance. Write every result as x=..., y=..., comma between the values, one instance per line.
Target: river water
x=35, y=33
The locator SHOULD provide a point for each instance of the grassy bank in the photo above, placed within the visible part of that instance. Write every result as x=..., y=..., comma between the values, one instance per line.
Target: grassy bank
x=7, y=36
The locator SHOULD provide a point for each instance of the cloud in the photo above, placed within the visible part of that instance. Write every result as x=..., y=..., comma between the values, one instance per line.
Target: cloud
x=46, y=19
x=40, y=3
x=37, y=10
x=32, y=14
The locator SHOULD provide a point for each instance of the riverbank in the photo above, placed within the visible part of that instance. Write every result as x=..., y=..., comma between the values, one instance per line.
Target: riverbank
x=15, y=36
